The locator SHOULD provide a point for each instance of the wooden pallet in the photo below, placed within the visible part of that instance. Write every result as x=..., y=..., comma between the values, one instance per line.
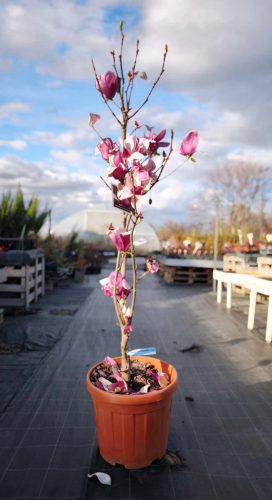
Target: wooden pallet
x=185, y=275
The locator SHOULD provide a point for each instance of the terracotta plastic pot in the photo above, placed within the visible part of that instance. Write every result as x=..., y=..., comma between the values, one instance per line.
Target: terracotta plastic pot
x=133, y=430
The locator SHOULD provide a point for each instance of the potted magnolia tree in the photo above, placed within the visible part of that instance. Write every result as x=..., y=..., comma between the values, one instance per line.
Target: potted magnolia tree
x=131, y=395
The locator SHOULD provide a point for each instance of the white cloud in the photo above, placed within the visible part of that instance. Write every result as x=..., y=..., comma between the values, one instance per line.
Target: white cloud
x=17, y=144
x=63, y=191
x=10, y=110
x=55, y=29
x=253, y=155
x=69, y=157
x=76, y=138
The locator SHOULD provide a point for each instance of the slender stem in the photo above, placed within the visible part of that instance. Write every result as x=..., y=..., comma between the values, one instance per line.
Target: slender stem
x=121, y=89
x=172, y=171
x=154, y=84
x=125, y=362
x=134, y=271
x=130, y=83
x=105, y=183
x=115, y=300
x=121, y=61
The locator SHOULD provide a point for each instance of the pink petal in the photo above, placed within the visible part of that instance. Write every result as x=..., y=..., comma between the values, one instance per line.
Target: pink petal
x=163, y=379
x=106, y=384
x=120, y=239
x=109, y=361
x=93, y=118
x=189, y=144
x=160, y=136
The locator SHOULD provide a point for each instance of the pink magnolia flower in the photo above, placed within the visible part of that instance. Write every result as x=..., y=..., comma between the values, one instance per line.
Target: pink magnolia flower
x=155, y=141
x=152, y=265
x=132, y=145
x=107, y=147
x=117, y=168
x=120, y=239
x=189, y=144
x=143, y=177
x=122, y=286
x=108, y=84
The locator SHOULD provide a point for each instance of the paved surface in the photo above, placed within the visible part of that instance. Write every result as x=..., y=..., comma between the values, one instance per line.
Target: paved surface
x=47, y=440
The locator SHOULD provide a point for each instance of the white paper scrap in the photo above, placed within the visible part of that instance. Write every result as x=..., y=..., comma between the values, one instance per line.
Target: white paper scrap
x=102, y=477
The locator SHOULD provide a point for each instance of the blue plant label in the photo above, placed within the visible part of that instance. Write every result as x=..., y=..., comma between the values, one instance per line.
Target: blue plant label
x=143, y=351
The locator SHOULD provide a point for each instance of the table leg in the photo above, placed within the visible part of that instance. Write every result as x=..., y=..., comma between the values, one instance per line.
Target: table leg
x=229, y=295
x=219, y=291
x=268, y=334
x=251, y=309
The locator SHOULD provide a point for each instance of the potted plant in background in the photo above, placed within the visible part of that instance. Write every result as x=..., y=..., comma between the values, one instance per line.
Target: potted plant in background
x=132, y=395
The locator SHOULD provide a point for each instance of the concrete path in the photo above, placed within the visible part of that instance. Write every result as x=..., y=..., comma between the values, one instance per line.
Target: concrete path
x=47, y=439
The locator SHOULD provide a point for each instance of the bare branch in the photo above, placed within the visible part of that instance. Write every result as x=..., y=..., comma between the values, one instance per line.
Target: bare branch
x=154, y=84
x=105, y=183
x=131, y=81
x=121, y=60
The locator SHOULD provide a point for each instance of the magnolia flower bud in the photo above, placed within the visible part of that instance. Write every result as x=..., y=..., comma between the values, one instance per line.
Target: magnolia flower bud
x=189, y=144
x=108, y=84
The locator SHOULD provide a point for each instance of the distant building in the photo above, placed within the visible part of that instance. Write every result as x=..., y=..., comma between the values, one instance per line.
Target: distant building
x=92, y=225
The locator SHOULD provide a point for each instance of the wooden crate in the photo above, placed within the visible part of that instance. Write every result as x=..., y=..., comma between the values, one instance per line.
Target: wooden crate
x=233, y=263
x=23, y=285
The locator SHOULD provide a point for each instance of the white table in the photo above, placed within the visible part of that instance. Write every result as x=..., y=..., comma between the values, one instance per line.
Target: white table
x=255, y=284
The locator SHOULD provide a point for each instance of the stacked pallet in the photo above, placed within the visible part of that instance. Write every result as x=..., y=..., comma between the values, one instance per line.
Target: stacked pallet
x=185, y=275
x=24, y=278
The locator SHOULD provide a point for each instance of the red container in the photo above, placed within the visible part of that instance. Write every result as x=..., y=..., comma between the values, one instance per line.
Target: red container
x=133, y=430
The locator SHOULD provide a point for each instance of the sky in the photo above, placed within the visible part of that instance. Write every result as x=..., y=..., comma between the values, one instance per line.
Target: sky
x=218, y=80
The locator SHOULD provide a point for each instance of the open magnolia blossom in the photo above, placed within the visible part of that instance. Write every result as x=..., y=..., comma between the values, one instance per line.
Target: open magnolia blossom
x=122, y=286
x=120, y=238
x=134, y=165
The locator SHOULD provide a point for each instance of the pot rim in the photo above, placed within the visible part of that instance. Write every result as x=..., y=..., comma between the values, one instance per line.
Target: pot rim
x=135, y=399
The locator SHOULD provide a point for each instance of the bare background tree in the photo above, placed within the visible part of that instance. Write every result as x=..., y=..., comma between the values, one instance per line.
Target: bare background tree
x=242, y=192
x=236, y=196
